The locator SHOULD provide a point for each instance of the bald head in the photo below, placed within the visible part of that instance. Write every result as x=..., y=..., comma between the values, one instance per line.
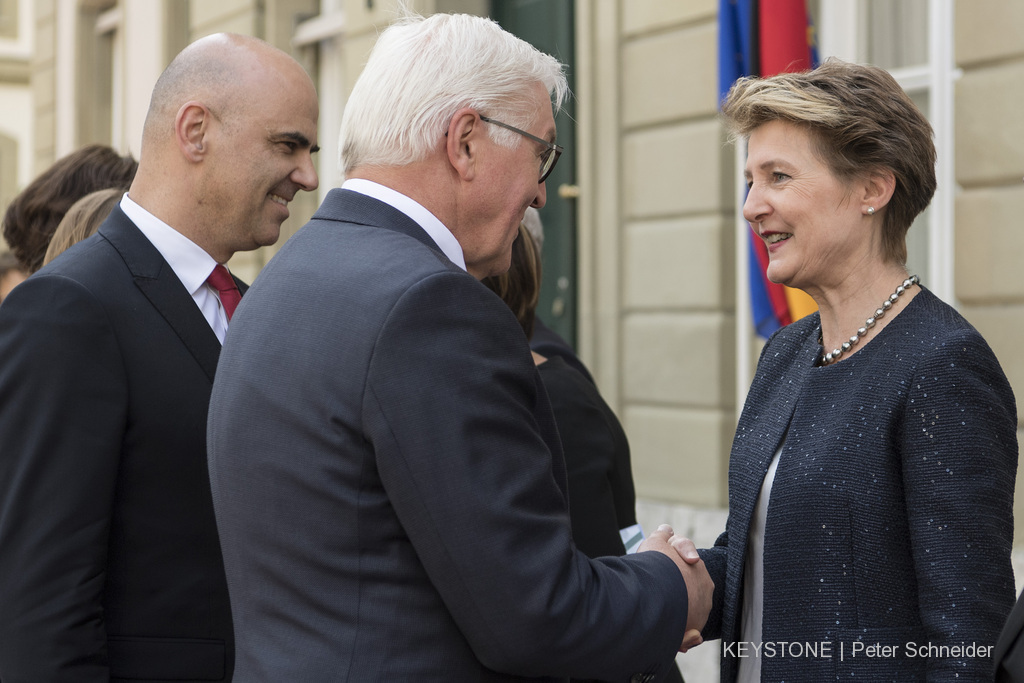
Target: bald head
x=226, y=72
x=227, y=143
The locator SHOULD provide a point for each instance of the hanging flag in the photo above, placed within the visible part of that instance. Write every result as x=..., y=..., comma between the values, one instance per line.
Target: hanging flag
x=763, y=38
x=785, y=37
x=736, y=54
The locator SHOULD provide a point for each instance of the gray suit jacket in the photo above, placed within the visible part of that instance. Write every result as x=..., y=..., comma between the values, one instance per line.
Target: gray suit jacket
x=389, y=486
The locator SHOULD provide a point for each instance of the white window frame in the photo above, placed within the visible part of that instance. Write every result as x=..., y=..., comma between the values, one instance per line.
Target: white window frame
x=110, y=26
x=65, y=77
x=326, y=32
x=23, y=44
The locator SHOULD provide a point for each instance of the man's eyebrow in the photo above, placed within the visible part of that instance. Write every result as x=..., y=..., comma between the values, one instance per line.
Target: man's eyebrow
x=300, y=139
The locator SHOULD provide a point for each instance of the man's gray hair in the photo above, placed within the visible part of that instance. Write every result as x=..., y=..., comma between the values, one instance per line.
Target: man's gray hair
x=422, y=70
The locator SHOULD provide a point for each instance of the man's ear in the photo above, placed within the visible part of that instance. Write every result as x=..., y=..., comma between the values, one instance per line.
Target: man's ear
x=878, y=189
x=191, y=127
x=462, y=142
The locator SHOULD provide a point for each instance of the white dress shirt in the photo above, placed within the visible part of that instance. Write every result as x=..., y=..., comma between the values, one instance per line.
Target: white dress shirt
x=749, y=670
x=441, y=235
x=188, y=260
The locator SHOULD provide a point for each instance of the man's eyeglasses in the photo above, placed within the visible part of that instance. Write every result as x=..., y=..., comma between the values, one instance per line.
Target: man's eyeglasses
x=550, y=156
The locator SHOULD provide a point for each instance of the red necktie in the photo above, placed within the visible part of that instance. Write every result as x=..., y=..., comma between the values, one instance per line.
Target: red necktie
x=221, y=280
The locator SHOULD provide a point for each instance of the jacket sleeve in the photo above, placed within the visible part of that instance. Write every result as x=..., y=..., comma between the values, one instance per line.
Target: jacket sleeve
x=715, y=560
x=61, y=420
x=958, y=445
x=461, y=453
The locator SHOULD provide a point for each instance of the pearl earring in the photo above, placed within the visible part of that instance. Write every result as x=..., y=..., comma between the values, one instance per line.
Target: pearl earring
x=871, y=211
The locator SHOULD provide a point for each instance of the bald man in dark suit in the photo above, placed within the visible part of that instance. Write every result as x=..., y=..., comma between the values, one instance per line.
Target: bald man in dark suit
x=110, y=565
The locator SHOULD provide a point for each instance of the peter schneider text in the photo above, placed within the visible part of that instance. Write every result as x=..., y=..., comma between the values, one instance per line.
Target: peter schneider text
x=827, y=649
x=913, y=650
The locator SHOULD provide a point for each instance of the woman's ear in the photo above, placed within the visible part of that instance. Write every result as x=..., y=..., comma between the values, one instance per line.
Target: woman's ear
x=878, y=189
x=191, y=126
x=462, y=142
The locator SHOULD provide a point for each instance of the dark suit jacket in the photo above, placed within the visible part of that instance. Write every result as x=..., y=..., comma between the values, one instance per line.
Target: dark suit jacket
x=1008, y=654
x=601, y=495
x=110, y=565
x=550, y=344
x=890, y=519
x=381, y=458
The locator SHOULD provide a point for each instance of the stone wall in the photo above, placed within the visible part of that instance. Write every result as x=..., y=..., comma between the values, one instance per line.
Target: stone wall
x=989, y=166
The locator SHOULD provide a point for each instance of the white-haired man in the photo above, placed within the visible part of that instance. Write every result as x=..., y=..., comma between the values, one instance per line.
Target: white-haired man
x=386, y=473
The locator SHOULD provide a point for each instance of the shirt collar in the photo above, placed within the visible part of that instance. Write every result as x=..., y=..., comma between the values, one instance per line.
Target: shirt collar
x=188, y=260
x=441, y=235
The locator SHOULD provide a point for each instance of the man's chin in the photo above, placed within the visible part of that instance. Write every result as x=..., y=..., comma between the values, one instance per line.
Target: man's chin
x=269, y=236
x=490, y=269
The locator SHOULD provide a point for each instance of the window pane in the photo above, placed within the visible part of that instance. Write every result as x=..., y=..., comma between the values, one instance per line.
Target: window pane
x=9, y=19
x=897, y=33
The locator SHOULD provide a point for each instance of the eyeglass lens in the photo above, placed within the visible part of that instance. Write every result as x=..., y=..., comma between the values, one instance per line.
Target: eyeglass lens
x=547, y=163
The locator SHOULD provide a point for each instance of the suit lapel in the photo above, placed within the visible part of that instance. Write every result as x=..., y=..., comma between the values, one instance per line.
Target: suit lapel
x=157, y=281
x=777, y=411
x=763, y=423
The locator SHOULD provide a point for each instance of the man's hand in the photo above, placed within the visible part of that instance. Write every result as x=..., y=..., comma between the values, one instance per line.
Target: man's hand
x=699, y=586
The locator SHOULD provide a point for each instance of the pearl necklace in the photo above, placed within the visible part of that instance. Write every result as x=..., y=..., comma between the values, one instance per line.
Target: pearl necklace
x=829, y=358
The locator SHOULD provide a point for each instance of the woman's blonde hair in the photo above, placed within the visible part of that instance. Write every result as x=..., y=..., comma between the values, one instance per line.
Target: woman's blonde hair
x=82, y=220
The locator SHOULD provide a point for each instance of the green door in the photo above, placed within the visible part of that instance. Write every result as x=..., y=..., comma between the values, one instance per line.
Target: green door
x=548, y=25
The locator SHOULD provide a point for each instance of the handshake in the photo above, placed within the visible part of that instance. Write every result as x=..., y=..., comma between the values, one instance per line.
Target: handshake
x=699, y=586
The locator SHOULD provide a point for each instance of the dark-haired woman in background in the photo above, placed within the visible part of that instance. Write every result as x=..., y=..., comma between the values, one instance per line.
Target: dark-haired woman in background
x=601, y=496
x=31, y=218
x=602, y=501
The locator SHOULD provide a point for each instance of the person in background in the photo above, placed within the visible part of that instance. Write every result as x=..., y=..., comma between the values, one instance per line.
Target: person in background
x=545, y=340
x=872, y=473
x=110, y=563
x=33, y=215
x=602, y=501
x=601, y=497
x=82, y=220
x=386, y=472
x=12, y=273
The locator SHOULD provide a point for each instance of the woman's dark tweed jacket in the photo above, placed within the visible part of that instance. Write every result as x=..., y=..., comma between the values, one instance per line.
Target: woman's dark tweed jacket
x=891, y=516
